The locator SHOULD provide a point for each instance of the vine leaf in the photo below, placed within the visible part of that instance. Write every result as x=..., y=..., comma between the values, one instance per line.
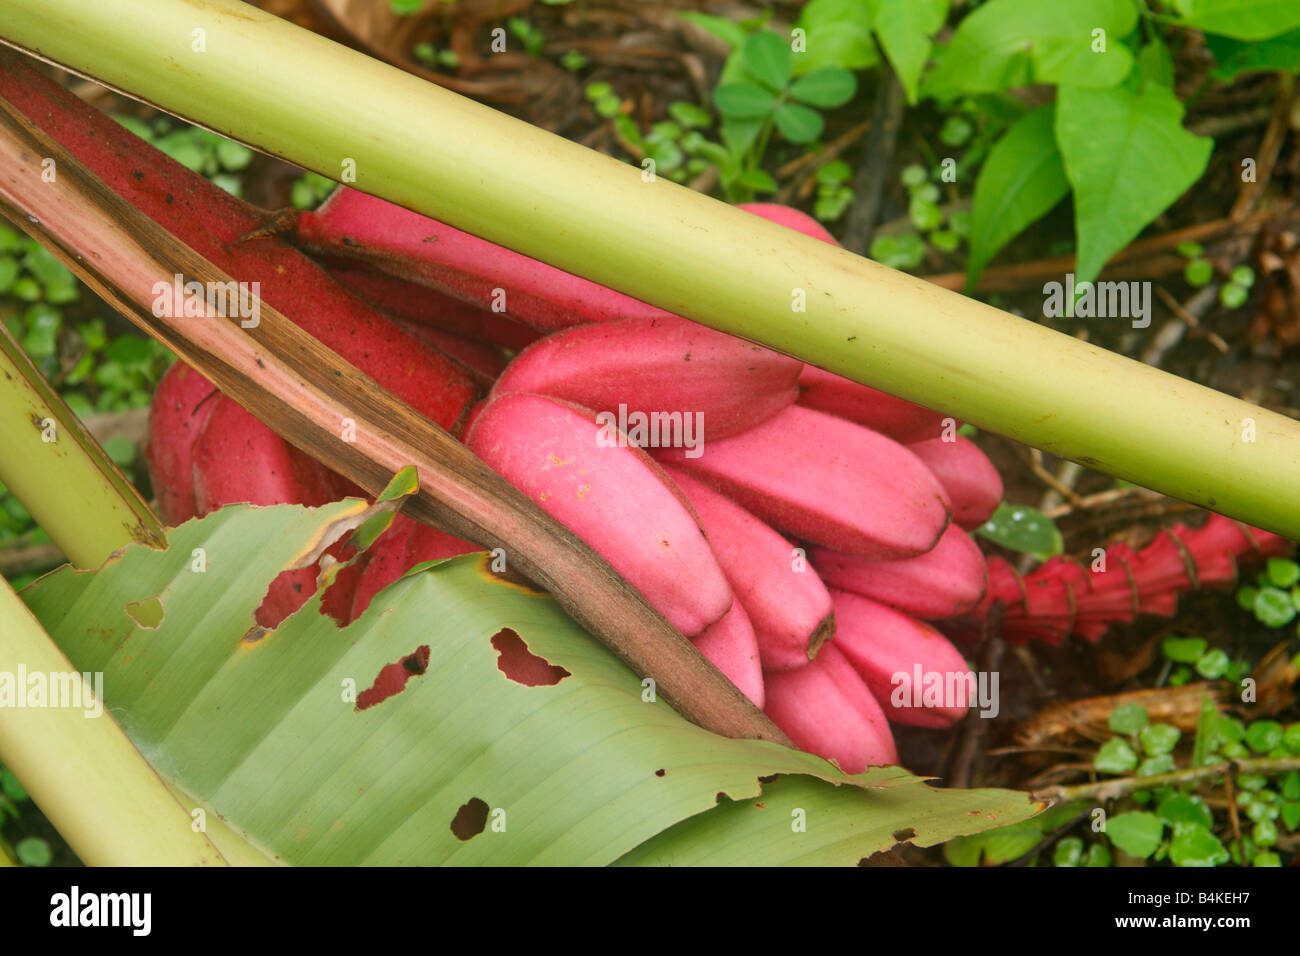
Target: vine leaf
x=1113, y=143
x=1020, y=181
x=1242, y=19
x=905, y=28
x=1017, y=42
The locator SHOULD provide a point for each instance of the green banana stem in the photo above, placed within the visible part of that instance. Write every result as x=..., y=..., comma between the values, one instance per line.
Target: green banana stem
x=59, y=472
x=70, y=758
x=275, y=86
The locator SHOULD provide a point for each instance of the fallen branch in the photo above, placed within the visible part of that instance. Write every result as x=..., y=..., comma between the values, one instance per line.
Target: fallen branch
x=1022, y=274
x=1114, y=789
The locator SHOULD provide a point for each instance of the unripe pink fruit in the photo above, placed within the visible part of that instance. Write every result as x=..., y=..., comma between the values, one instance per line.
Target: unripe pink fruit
x=970, y=479
x=826, y=709
x=215, y=224
x=482, y=363
x=731, y=646
x=790, y=218
x=900, y=420
x=787, y=603
x=429, y=307
x=944, y=582
x=828, y=481
x=419, y=249
x=181, y=404
x=659, y=367
x=889, y=649
x=613, y=497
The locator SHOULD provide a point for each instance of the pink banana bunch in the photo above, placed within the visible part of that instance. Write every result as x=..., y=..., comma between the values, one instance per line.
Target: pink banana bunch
x=1063, y=597
x=796, y=526
x=716, y=535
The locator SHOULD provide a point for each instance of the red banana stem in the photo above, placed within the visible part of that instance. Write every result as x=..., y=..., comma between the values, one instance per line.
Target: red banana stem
x=1064, y=597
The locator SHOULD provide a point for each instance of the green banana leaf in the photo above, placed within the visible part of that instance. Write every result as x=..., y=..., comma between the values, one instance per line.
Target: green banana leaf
x=286, y=738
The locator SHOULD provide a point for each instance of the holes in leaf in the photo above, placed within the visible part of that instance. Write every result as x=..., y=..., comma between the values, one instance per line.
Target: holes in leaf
x=393, y=677
x=336, y=602
x=470, y=819
x=148, y=613
x=521, y=665
x=289, y=591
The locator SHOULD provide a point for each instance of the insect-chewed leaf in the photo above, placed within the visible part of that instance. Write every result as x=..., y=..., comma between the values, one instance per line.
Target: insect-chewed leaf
x=403, y=739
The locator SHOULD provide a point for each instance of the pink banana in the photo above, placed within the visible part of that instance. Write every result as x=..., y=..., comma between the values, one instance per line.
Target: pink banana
x=732, y=647
x=891, y=650
x=355, y=226
x=879, y=411
x=790, y=218
x=826, y=709
x=474, y=270
x=385, y=562
x=418, y=303
x=659, y=367
x=237, y=458
x=968, y=476
x=827, y=480
x=789, y=609
x=181, y=404
x=944, y=582
x=214, y=224
x=482, y=363
x=613, y=497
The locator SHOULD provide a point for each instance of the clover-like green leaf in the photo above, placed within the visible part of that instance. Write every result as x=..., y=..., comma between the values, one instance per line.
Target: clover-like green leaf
x=1159, y=738
x=1115, y=756
x=768, y=59
x=1023, y=528
x=1182, y=808
x=1194, y=845
x=1137, y=833
x=798, y=123
x=743, y=101
x=1128, y=718
x=827, y=88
